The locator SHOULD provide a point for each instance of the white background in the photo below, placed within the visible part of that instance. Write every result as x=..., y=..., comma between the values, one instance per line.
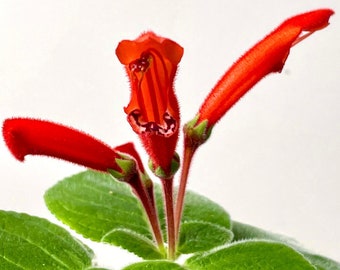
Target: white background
x=273, y=160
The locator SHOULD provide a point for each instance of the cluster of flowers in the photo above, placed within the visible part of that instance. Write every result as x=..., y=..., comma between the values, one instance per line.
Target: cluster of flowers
x=153, y=112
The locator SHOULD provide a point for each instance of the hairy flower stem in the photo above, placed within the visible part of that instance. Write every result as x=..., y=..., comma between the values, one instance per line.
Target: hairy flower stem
x=151, y=212
x=167, y=185
x=187, y=158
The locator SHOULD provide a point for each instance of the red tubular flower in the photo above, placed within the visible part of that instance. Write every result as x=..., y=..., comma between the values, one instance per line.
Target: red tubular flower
x=268, y=55
x=153, y=112
x=25, y=136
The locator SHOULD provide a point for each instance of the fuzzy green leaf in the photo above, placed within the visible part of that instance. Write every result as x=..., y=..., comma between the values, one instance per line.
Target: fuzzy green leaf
x=97, y=268
x=28, y=242
x=251, y=255
x=321, y=262
x=243, y=231
x=95, y=205
x=201, y=236
x=104, y=210
x=133, y=242
x=200, y=208
x=154, y=265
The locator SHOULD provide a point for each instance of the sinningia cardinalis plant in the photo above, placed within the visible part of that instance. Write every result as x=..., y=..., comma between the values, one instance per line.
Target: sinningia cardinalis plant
x=118, y=203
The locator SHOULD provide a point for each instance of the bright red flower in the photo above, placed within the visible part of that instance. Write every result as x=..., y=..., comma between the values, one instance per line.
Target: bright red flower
x=25, y=136
x=153, y=112
x=268, y=55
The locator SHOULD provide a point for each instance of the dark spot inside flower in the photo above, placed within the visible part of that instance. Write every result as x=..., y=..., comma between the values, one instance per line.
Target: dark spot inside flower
x=141, y=64
x=166, y=129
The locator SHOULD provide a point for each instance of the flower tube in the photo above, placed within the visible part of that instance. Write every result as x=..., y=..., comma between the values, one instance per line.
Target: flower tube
x=25, y=136
x=267, y=56
x=153, y=112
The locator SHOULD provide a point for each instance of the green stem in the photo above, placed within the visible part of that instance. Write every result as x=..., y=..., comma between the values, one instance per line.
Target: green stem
x=167, y=185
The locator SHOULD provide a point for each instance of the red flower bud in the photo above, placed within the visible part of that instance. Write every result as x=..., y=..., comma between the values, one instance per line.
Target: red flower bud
x=268, y=55
x=25, y=136
x=153, y=112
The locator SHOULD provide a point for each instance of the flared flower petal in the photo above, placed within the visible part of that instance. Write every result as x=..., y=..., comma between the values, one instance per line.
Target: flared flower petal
x=25, y=136
x=153, y=112
x=267, y=56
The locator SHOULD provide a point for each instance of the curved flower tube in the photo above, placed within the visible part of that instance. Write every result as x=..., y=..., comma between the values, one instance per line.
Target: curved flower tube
x=25, y=136
x=267, y=56
x=153, y=112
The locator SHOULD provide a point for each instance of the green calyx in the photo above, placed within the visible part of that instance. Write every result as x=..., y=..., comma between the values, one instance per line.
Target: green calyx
x=128, y=168
x=161, y=173
x=147, y=182
x=197, y=133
